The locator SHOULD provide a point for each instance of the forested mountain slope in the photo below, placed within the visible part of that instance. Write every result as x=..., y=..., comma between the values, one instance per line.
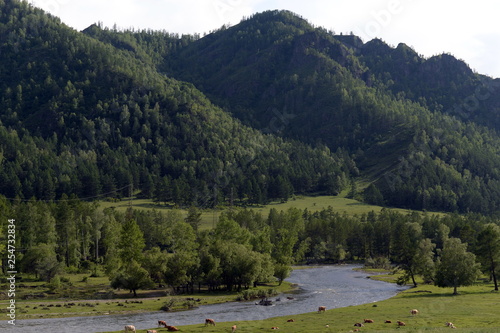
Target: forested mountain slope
x=80, y=116
x=441, y=83
x=384, y=105
x=95, y=111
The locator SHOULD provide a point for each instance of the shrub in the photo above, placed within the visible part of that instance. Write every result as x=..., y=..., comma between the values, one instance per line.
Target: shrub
x=378, y=262
x=168, y=305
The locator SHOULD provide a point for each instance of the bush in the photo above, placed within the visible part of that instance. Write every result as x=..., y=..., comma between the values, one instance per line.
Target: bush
x=72, y=270
x=54, y=284
x=248, y=295
x=254, y=294
x=65, y=279
x=378, y=262
x=168, y=305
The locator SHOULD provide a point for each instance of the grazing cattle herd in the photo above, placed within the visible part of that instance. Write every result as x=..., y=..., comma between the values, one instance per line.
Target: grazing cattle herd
x=209, y=321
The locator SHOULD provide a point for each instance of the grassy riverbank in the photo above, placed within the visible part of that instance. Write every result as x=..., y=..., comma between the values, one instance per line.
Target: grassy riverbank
x=474, y=310
x=87, y=296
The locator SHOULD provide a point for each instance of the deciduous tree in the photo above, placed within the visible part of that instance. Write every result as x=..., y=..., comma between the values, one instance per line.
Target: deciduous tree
x=456, y=267
x=488, y=250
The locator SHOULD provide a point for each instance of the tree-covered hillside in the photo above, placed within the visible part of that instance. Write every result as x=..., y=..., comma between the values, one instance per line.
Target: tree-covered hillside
x=98, y=110
x=406, y=120
x=81, y=116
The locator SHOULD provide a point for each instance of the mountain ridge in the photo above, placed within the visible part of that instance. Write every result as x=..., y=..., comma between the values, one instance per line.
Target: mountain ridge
x=96, y=119
x=383, y=114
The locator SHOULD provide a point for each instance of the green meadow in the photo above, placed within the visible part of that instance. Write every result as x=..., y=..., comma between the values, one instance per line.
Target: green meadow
x=474, y=310
x=209, y=217
x=81, y=295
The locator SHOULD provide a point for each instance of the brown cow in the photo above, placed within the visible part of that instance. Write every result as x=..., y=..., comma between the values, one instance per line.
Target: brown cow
x=388, y=321
x=321, y=309
x=233, y=328
x=290, y=320
x=401, y=323
x=162, y=323
x=172, y=328
x=450, y=325
x=414, y=312
x=369, y=321
x=275, y=328
x=209, y=321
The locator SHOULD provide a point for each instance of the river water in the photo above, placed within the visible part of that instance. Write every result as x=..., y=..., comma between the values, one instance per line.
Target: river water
x=330, y=286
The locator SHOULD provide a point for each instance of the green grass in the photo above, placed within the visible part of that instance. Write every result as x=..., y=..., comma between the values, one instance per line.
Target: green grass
x=84, y=295
x=210, y=217
x=475, y=310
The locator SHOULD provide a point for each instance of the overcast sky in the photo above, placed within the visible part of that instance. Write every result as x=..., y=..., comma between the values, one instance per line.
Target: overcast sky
x=469, y=30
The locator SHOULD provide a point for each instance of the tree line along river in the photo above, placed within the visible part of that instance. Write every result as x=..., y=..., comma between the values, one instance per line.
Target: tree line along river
x=331, y=286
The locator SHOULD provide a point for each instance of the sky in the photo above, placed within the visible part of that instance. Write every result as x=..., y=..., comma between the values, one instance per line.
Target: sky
x=466, y=29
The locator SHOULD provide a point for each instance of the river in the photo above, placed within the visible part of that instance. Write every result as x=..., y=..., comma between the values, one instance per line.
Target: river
x=331, y=286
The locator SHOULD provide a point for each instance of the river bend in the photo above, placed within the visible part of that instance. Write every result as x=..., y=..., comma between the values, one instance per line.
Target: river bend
x=331, y=286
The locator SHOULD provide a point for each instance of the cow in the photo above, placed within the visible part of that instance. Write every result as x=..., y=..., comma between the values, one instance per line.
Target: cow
x=162, y=323
x=172, y=328
x=275, y=328
x=369, y=321
x=209, y=321
x=401, y=323
x=321, y=309
x=388, y=321
x=450, y=325
x=414, y=312
x=233, y=328
x=129, y=328
x=152, y=331
x=290, y=320
x=359, y=325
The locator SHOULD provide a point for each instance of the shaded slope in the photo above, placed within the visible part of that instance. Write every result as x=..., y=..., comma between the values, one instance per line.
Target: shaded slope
x=83, y=117
x=279, y=74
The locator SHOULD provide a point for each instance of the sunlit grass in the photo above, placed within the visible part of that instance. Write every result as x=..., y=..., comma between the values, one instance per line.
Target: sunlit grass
x=209, y=217
x=474, y=310
x=83, y=295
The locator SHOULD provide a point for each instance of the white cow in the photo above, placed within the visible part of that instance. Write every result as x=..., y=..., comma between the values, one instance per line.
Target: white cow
x=129, y=328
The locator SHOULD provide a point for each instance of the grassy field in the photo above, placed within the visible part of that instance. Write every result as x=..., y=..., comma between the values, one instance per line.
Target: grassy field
x=475, y=310
x=312, y=203
x=83, y=295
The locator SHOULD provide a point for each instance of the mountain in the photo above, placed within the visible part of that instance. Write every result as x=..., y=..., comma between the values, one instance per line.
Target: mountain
x=423, y=132
x=93, y=118
x=441, y=83
x=253, y=112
